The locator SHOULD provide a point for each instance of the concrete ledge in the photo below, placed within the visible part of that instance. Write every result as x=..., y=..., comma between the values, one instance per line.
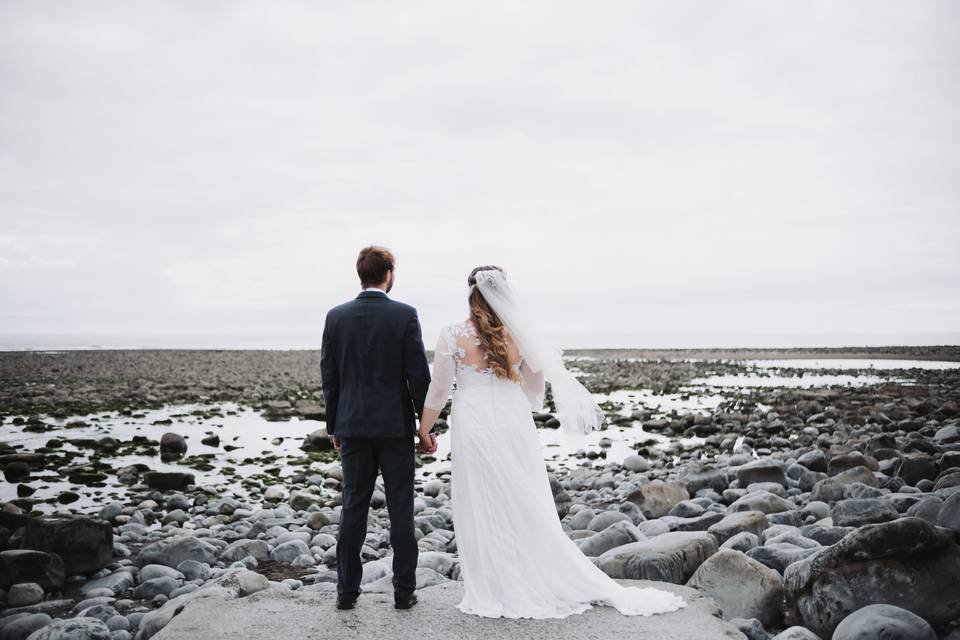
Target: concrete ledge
x=279, y=615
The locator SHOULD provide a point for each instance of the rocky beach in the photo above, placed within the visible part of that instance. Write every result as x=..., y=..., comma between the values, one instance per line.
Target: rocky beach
x=800, y=493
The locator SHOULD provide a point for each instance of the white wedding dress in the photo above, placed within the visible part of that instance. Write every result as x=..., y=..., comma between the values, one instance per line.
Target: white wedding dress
x=515, y=559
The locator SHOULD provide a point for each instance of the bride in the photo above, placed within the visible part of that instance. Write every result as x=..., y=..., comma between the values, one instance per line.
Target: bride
x=516, y=561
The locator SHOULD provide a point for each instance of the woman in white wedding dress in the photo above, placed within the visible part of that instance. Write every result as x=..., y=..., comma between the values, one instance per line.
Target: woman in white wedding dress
x=516, y=561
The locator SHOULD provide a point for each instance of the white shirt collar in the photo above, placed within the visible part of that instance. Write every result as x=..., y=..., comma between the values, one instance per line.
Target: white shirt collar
x=375, y=289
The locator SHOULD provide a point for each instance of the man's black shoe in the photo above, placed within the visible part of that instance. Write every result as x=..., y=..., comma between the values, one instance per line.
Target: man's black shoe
x=404, y=599
x=346, y=602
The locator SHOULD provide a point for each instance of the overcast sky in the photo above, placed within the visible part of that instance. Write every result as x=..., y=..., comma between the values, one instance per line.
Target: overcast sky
x=637, y=167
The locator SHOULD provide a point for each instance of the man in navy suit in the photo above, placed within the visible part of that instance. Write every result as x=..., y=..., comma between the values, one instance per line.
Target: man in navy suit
x=375, y=377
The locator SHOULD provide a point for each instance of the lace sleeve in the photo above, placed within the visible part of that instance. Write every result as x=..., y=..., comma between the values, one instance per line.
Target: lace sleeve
x=533, y=384
x=444, y=372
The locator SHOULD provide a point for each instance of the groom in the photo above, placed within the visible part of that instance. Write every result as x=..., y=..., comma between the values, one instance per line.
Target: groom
x=375, y=378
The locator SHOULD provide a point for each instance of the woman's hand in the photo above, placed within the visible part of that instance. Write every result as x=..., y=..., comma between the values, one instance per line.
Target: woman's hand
x=428, y=442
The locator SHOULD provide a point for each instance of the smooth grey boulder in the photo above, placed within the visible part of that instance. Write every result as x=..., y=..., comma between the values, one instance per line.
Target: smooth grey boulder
x=669, y=557
x=118, y=582
x=780, y=555
x=240, y=549
x=616, y=535
x=24, y=594
x=751, y=628
x=173, y=443
x=21, y=627
x=697, y=476
x=73, y=629
x=657, y=497
x=741, y=586
x=166, y=481
x=858, y=512
x=636, y=463
x=289, y=551
x=906, y=562
x=883, y=621
x=84, y=544
x=949, y=512
x=149, y=589
x=26, y=565
x=740, y=521
x=831, y=489
x=606, y=518
x=762, y=501
x=171, y=553
x=743, y=541
x=761, y=470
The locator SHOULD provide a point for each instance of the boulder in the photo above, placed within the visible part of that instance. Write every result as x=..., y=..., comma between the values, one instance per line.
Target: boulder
x=762, y=470
x=240, y=549
x=27, y=565
x=616, y=535
x=173, y=443
x=762, y=501
x=317, y=440
x=19, y=627
x=699, y=476
x=73, y=629
x=856, y=512
x=24, y=594
x=657, y=497
x=883, y=621
x=948, y=514
x=84, y=544
x=168, y=481
x=741, y=586
x=737, y=522
x=906, y=562
x=605, y=519
x=670, y=557
x=831, y=489
x=171, y=553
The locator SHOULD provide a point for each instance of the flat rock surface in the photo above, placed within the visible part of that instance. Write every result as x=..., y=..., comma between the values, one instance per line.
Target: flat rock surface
x=286, y=614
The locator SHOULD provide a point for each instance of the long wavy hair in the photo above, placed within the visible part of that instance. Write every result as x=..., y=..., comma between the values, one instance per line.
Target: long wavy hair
x=490, y=329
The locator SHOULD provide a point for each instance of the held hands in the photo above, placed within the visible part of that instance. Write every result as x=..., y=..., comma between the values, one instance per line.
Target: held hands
x=428, y=442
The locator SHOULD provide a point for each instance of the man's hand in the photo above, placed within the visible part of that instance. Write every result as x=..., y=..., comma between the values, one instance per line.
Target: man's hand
x=336, y=442
x=428, y=443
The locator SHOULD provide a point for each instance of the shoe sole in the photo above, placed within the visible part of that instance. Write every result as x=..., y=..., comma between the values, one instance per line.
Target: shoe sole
x=404, y=606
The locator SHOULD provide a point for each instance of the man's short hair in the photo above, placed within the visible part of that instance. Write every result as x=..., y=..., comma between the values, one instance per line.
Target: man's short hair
x=373, y=263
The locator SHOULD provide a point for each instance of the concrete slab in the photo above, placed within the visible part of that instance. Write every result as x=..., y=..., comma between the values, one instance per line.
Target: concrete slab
x=279, y=615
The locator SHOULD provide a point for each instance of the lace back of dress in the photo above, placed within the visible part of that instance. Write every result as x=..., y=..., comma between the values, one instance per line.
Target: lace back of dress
x=468, y=353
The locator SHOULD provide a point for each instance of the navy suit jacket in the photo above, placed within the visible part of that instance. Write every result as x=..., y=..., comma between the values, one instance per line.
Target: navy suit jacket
x=373, y=367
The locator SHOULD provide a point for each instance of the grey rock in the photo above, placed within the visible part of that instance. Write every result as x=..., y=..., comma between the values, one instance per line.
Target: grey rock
x=616, y=535
x=763, y=501
x=171, y=553
x=751, y=628
x=25, y=565
x=24, y=594
x=780, y=555
x=831, y=489
x=762, y=470
x=166, y=481
x=117, y=582
x=193, y=570
x=289, y=551
x=151, y=588
x=657, y=497
x=906, y=562
x=84, y=544
x=949, y=513
x=73, y=629
x=21, y=627
x=670, y=557
x=152, y=571
x=606, y=518
x=857, y=512
x=240, y=549
x=741, y=586
x=636, y=464
x=883, y=621
x=750, y=521
x=173, y=443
